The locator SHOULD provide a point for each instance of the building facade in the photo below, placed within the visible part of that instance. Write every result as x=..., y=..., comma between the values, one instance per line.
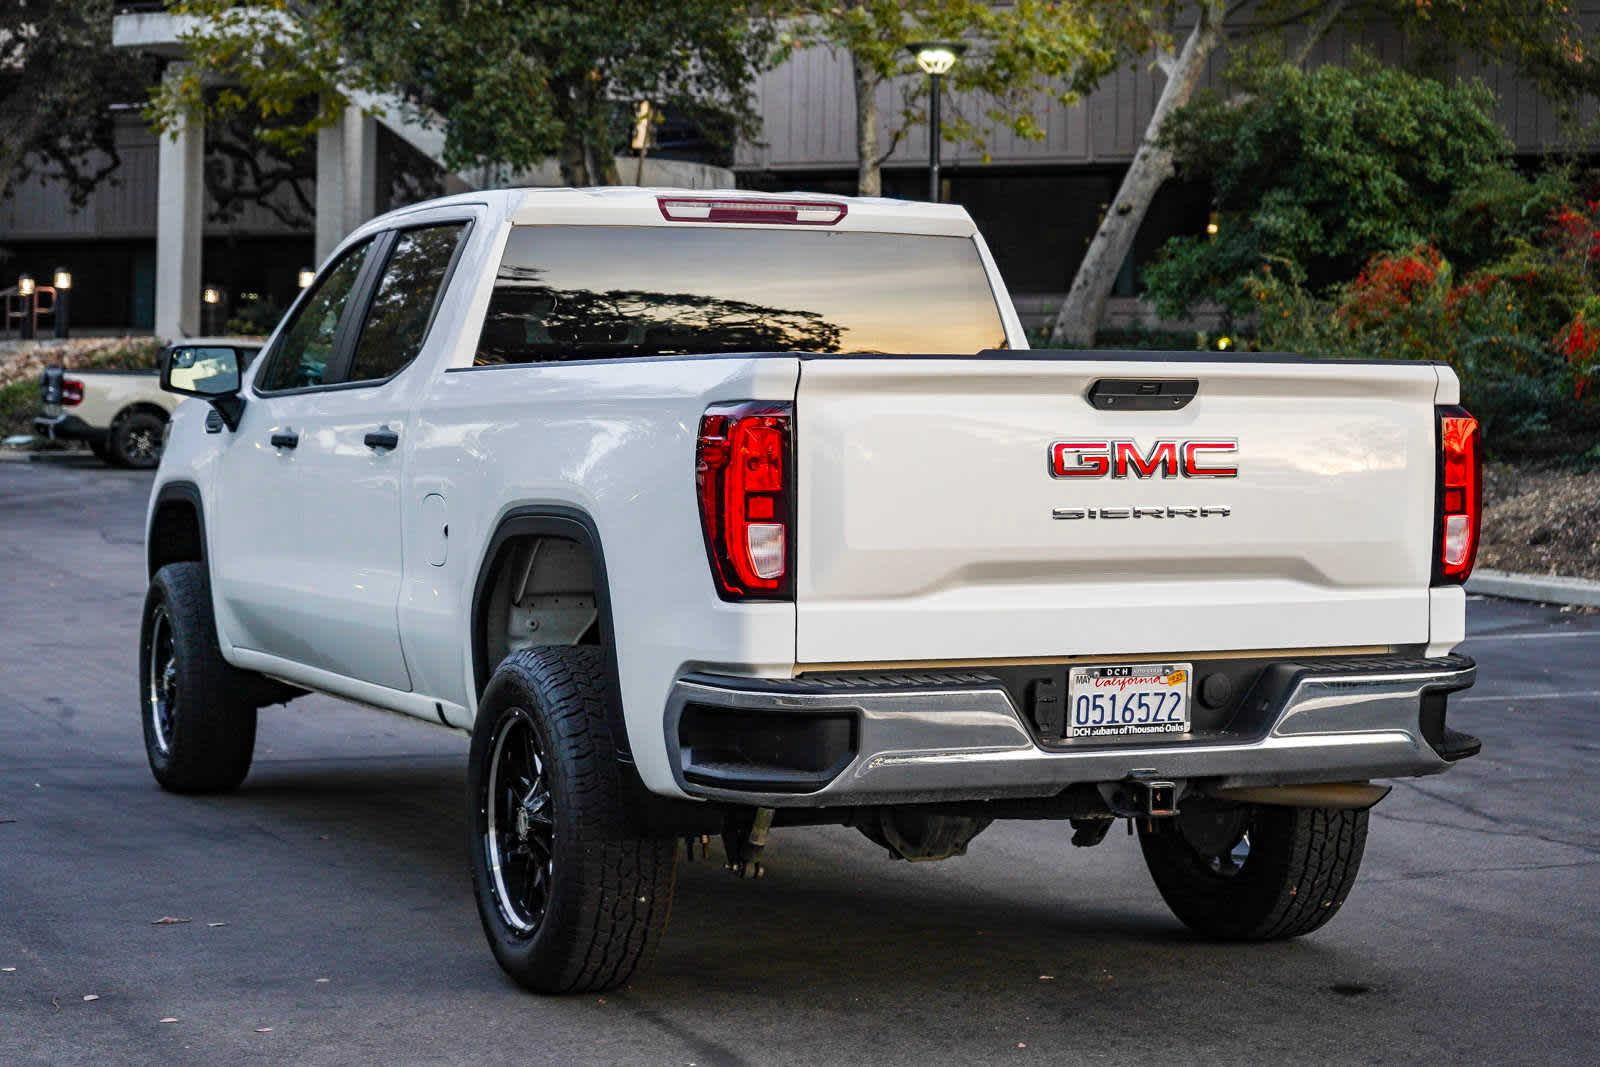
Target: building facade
x=1037, y=202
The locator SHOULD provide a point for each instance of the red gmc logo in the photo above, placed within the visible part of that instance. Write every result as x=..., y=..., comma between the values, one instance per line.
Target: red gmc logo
x=1087, y=458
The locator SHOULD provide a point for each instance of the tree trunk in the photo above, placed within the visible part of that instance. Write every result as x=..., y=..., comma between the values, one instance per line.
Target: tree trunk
x=869, y=176
x=574, y=167
x=1084, y=308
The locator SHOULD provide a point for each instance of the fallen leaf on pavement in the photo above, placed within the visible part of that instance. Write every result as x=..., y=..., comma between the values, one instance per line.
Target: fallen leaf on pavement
x=323, y=979
x=91, y=996
x=169, y=1019
x=216, y=924
x=263, y=1029
x=8, y=970
x=168, y=920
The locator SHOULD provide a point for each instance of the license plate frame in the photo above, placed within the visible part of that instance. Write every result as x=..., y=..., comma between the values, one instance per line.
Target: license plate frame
x=1128, y=701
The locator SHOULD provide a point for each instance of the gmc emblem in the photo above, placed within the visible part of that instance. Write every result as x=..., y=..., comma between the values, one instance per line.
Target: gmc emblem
x=1085, y=458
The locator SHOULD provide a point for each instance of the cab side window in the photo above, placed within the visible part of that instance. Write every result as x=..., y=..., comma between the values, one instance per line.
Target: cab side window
x=301, y=358
x=402, y=306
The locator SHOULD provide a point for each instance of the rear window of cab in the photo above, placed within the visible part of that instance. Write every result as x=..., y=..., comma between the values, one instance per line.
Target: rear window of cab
x=597, y=292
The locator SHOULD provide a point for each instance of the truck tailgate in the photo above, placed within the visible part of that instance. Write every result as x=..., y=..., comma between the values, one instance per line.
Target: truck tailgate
x=929, y=530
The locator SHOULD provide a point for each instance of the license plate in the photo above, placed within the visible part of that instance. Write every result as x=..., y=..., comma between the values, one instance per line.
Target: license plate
x=1130, y=701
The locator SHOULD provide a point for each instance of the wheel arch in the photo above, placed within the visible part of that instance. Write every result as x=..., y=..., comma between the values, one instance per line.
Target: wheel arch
x=177, y=532
x=561, y=522
x=136, y=408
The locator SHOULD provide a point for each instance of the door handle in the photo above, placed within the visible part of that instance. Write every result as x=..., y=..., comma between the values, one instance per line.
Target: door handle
x=287, y=439
x=382, y=437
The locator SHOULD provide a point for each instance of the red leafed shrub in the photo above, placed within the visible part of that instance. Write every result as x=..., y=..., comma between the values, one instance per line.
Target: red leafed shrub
x=1390, y=284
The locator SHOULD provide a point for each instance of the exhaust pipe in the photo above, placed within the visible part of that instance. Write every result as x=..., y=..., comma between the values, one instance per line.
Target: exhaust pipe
x=1348, y=796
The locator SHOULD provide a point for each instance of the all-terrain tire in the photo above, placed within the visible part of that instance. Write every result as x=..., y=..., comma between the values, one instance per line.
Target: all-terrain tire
x=1298, y=870
x=607, y=891
x=136, y=440
x=199, y=720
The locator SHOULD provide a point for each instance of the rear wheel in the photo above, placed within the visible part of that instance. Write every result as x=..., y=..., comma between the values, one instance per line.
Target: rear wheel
x=1255, y=872
x=571, y=899
x=199, y=721
x=136, y=440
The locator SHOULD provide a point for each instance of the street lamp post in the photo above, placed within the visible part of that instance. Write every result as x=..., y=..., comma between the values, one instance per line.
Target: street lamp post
x=935, y=58
x=63, y=284
x=211, y=300
x=25, y=289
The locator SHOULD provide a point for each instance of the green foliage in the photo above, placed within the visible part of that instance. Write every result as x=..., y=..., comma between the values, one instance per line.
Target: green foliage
x=1018, y=54
x=510, y=84
x=59, y=77
x=255, y=318
x=1323, y=170
x=19, y=403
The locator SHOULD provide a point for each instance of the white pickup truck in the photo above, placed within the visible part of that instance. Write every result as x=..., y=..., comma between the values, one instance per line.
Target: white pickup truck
x=121, y=414
x=719, y=513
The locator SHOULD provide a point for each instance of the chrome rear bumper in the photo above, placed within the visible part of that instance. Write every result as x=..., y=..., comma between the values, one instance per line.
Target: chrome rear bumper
x=957, y=737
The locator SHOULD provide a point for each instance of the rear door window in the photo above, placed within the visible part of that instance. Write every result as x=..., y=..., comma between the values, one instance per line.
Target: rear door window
x=305, y=348
x=595, y=292
x=402, y=306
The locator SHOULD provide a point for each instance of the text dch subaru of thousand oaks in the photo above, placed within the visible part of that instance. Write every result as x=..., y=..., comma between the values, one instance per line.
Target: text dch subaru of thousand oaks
x=719, y=513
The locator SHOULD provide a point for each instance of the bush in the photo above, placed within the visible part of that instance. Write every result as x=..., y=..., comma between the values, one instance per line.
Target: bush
x=1522, y=333
x=1324, y=170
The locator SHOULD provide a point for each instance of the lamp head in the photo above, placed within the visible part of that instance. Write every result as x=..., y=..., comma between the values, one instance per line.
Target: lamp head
x=936, y=57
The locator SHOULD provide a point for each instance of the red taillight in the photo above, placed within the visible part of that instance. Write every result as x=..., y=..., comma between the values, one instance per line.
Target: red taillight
x=1460, y=495
x=71, y=391
x=745, y=478
x=722, y=209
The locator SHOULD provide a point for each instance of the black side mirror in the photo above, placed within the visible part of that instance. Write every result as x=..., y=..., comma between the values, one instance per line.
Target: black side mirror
x=208, y=372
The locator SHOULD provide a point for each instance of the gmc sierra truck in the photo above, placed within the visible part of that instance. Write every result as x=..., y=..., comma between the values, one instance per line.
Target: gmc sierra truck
x=712, y=514
x=120, y=414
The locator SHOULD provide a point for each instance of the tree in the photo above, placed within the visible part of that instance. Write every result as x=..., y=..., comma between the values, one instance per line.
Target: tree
x=1317, y=173
x=59, y=77
x=1020, y=51
x=511, y=84
x=1540, y=39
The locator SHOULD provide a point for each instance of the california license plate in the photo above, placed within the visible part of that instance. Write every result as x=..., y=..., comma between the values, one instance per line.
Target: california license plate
x=1128, y=701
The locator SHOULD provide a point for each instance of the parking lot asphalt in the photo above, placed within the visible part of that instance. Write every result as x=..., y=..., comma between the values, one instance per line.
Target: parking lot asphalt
x=330, y=918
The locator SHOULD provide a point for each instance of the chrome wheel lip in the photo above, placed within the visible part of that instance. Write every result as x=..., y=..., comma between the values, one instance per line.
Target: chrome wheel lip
x=503, y=825
x=161, y=681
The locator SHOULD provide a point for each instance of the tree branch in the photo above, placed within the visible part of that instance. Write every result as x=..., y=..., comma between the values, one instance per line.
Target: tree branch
x=1319, y=29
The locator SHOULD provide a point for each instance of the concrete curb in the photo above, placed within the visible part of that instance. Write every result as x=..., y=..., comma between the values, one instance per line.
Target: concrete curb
x=1545, y=588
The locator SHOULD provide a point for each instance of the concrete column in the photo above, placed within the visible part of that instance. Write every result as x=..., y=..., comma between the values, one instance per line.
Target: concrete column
x=330, y=190
x=180, y=222
x=360, y=168
x=347, y=178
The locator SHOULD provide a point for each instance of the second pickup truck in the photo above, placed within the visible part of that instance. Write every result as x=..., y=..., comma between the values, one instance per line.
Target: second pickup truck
x=720, y=513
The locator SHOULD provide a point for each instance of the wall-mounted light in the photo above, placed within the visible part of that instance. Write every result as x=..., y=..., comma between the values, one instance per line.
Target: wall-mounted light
x=211, y=295
x=25, y=285
x=1211, y=225
x=307, y=275
x=62, y=279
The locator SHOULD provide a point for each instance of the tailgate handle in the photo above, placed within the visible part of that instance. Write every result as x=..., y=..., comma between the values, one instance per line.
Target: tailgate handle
x=1142, y=394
